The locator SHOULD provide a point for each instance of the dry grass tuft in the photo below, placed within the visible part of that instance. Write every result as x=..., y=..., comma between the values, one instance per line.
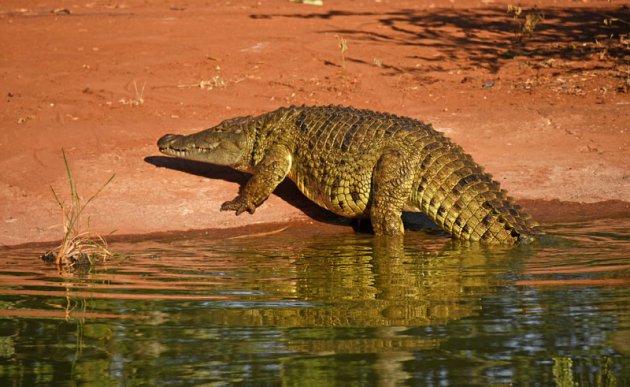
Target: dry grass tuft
x=77, y=247
x=342, y=43
x=525, y=20
x=139, y=96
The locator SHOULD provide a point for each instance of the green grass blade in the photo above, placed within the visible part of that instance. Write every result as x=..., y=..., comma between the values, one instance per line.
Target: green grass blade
x=99, y=190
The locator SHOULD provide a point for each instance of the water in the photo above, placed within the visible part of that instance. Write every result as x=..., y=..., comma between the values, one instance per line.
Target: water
x=323, y=310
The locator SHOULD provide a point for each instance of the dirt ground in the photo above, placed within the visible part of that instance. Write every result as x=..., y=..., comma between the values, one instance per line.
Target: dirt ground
x=546, y=112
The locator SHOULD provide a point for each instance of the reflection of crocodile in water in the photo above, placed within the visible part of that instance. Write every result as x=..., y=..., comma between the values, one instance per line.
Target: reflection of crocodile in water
x=359, y=163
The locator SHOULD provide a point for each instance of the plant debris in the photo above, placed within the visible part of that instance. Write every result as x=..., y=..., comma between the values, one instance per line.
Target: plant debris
x=77, y=247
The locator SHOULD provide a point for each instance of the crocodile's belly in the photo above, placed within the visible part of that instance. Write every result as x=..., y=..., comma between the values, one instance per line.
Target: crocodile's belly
x=337, y=187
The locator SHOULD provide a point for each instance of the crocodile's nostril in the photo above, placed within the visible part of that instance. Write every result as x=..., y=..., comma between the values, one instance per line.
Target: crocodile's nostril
x=166, y=140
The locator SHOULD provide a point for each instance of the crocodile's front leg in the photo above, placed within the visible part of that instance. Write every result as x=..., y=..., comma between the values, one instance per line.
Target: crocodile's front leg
x=269, y=172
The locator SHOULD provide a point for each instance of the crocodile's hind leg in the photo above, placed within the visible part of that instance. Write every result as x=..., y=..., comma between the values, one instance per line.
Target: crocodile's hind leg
x=391, y=186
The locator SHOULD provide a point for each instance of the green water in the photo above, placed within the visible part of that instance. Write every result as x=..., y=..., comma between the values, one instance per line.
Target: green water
x=324, y=310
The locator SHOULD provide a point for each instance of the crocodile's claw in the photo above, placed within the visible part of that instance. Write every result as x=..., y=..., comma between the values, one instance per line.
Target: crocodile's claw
x=240, y=205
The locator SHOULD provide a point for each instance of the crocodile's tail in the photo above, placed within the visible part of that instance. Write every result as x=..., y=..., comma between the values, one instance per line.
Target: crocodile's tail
x=462, y=199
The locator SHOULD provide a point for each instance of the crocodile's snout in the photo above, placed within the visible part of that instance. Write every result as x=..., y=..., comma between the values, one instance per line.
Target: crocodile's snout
x=165, y=141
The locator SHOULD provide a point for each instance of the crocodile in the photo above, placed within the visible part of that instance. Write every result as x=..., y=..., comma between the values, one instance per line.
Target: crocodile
x=360, y=164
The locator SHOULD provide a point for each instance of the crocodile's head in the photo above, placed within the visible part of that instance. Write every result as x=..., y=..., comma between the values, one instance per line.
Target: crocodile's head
x=225, y=144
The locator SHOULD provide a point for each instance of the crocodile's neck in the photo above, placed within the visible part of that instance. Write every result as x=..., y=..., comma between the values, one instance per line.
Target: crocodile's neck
x=271, y=128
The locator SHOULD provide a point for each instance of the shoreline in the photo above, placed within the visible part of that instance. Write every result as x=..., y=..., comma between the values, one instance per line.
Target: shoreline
x=547, y=212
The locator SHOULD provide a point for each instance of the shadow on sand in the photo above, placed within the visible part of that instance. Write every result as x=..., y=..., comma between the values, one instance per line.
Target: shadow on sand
x=287, y=191
x=489, y=37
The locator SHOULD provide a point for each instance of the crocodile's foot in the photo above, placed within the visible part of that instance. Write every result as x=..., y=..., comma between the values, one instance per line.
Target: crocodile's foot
x=240, y=205
x=389, y=227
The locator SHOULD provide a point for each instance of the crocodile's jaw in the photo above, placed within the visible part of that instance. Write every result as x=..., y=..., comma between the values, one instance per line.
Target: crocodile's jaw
x=214, y=147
